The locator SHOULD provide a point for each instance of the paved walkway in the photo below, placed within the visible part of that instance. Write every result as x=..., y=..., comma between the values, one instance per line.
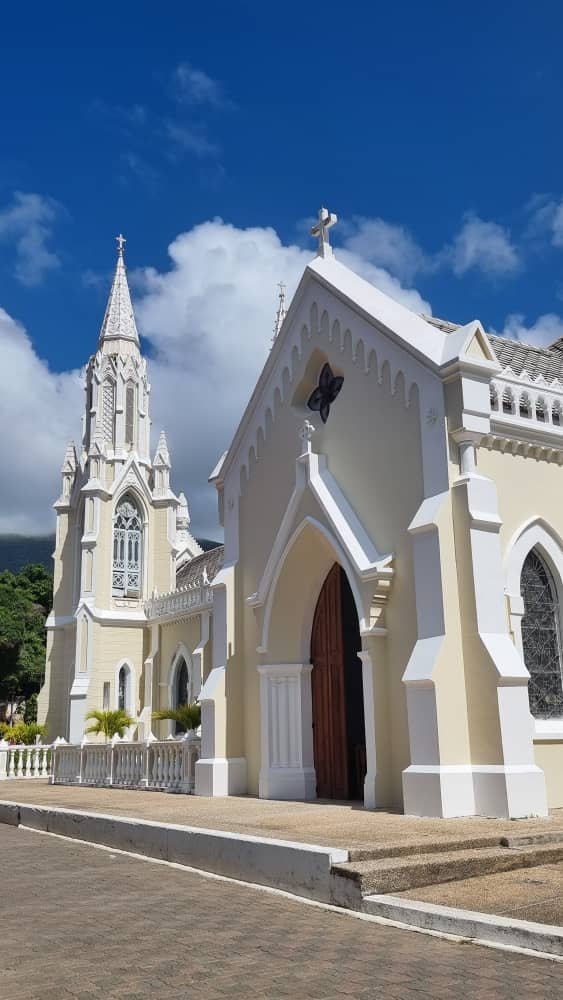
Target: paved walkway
x=526, y=894
x=81, y=922
x=330, y=824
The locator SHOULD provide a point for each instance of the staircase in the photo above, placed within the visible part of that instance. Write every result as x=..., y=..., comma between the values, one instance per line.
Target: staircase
x=400, y=867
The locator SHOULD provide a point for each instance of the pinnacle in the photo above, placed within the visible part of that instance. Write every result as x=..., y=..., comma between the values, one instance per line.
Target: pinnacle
x=119, y=320
x=162, y=455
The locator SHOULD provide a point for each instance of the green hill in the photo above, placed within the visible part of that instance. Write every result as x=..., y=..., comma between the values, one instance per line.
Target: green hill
x=19, y=550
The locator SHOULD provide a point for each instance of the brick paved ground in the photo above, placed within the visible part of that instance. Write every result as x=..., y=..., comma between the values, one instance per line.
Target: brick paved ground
x=80, y=922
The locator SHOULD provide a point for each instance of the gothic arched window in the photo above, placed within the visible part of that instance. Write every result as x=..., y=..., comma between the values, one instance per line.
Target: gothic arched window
x=182, y=690
x=123, y=689
x=541, y=638
x=127, y=548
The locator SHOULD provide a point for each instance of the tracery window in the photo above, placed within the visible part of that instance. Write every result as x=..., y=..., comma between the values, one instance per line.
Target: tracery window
x=541, y=638
x=127, y=548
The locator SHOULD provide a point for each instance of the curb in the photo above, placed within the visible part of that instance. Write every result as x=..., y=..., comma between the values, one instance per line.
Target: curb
x=470, y=924
x=303, y=869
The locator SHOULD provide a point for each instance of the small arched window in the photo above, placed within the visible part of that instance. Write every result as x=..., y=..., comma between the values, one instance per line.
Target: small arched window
x=182, y=692
x=541, y=640
x=127, y=548
x=123, y=689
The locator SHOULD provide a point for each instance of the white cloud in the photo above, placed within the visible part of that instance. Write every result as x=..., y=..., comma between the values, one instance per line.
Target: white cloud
x=483, y=246
x=386, y=245
x=209, y=319
x=545, y=331
x=190, y=139
x=39, y=412
x=195, y=86
x=26, y=222
x=545, y=218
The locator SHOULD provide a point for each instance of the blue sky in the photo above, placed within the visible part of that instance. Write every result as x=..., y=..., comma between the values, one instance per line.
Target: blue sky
x=433, y=131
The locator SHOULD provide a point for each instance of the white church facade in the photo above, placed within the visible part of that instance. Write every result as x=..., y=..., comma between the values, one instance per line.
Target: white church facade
x=383, y=621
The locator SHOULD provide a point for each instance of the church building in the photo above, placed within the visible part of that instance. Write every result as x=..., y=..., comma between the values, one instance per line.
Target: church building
x=383, y=622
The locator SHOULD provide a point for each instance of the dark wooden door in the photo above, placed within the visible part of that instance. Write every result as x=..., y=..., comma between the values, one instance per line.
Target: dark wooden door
x=328, y=690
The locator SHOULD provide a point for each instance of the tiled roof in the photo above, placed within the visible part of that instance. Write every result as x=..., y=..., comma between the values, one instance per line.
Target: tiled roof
x=191, y=574
x=514, y=354
x=526, y=358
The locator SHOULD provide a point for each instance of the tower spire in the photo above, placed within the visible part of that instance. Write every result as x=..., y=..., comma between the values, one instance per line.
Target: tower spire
x=280, y=315
x=119, y=320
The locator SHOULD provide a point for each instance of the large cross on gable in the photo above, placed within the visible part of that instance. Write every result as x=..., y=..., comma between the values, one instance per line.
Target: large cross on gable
x=321, y=231
x=121, y=241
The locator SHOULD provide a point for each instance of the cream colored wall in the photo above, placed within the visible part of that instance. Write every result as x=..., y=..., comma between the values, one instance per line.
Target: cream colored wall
x=529, y=488
x=549, y=756
x=372, y=441
x=110, y=646
x=53, y=703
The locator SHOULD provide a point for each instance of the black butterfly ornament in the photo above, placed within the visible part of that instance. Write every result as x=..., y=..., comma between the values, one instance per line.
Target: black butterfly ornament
x=326, y=392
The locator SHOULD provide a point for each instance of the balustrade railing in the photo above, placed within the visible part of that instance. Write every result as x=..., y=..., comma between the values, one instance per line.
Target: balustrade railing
x=23, y=761
x=185, y=600
x=165, y=765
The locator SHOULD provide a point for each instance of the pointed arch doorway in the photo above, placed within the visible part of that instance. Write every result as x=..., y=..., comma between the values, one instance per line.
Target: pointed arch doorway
x=339, y=742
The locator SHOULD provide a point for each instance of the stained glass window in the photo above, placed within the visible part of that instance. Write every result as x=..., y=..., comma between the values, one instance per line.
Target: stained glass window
x=541, y=638
x=127, y=548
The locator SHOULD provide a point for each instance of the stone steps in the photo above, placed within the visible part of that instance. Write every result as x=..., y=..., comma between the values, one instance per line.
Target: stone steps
x=391, y=874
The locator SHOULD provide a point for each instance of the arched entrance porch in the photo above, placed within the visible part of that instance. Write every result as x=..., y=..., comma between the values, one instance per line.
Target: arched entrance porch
x=339, y=742
x=287, y=758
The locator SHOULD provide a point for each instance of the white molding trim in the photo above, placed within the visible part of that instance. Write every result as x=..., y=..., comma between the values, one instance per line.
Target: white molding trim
x=535, y=533
x=546, y=730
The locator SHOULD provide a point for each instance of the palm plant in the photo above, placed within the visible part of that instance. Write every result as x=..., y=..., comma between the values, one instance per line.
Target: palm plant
x=109, y=723
x=186, y=716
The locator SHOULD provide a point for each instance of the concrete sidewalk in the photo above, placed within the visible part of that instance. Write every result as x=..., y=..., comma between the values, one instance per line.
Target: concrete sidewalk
x=333, y=824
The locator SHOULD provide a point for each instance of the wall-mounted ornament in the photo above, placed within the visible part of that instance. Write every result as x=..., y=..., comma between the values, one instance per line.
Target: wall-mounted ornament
x=326, y=392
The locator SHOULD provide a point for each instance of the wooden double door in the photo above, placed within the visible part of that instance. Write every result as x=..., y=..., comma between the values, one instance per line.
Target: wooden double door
x=336, y=680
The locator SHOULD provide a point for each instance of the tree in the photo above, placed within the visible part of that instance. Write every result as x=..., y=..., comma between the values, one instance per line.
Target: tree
x=186, y=716
x=109, y=723
x=25, y=601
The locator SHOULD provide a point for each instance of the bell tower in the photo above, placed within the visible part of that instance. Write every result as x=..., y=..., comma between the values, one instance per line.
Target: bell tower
x=120, y=529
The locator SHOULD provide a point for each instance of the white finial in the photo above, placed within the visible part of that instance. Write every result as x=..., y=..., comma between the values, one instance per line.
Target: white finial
x=306, y=432
x=280, y=315
x=320, y=230
x=121, y=241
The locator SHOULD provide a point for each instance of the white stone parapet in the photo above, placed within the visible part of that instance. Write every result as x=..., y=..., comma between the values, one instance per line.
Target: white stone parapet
x=521, y=401
x=24, y=761
x=185, y=601
x=167, y=765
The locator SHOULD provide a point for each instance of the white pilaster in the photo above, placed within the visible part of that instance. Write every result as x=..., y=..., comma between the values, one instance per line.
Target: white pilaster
x=286, y=718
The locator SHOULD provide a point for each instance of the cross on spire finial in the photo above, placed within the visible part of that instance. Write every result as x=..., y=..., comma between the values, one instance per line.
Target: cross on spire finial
x=320, y=230
x=121, y=241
